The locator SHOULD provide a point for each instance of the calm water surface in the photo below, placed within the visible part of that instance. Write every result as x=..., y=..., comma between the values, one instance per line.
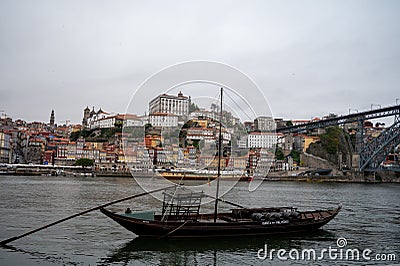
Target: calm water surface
x=370, y=218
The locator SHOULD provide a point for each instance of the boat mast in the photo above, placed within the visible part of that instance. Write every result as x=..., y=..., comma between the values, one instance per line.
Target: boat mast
x=219, y=160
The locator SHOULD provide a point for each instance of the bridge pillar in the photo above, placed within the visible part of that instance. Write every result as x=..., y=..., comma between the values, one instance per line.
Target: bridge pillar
x=360, y=135
x=356, y=162
x=349, y=162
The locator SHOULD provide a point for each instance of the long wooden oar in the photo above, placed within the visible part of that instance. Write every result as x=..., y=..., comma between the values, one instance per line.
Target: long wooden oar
x=4, y=242
x=174, y=230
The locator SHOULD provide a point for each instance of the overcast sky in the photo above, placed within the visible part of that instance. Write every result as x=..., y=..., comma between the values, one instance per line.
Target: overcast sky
x=309, y=58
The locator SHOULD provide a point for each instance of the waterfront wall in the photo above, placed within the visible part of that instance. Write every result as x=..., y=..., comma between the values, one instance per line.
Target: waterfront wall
x=313, y=161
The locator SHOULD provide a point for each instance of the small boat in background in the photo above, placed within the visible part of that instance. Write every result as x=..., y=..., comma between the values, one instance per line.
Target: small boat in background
x=203, y=175
x=318, y=171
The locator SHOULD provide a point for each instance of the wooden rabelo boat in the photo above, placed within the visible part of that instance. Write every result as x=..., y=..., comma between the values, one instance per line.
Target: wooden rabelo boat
x=180, y=217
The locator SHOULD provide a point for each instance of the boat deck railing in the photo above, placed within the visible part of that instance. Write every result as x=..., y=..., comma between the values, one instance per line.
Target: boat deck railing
x=181, y=204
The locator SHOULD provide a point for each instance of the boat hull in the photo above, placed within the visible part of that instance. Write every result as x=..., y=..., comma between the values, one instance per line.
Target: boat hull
x=183, y=229
x=204, y=177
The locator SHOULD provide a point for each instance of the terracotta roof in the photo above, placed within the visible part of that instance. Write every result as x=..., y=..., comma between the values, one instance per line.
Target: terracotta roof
x=263, y=133
x=162, y=114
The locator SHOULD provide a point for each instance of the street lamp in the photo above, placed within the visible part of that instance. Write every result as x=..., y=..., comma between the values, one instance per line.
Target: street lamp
x=350, y=109
x=372, y=104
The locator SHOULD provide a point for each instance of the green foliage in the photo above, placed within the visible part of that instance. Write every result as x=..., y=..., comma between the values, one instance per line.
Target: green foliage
x=196, y=144
x=331, y=139
x=289, y=123
x=279, y=154
x=193, y=107
x=82, y=133
x=135, y=132
x=84, y=162
x=96, y=135
x=296, y=156
x=353, y=139
x=118, y=124
x=107, y=133
x=147, y=128
x=171, y=135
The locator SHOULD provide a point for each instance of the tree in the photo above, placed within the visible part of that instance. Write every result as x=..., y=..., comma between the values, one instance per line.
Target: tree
x=330, y=140
x=193, y=107
x=296, y=156
x=84, y=162
x=82, y=133
x=279, y=154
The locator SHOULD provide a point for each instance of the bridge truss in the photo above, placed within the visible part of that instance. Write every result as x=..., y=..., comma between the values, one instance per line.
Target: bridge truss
x=371, y=152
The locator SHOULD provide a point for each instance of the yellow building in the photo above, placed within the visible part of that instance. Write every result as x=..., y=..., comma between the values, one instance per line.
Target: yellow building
x=203, y=123
x=308, y=140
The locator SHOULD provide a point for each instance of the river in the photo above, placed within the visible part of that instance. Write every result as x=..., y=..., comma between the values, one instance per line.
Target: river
x=370, y=219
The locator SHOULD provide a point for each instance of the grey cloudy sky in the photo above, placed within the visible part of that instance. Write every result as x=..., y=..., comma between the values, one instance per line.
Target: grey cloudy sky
x=309, y=58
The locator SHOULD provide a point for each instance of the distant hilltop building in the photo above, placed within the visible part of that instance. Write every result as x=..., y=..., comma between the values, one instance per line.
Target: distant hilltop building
x=264, y=124
x=89, y=117
x=102, y=119
x=170, y=104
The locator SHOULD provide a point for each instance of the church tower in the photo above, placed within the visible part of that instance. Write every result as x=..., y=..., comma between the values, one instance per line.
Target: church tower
x=52, y=118
x=86, y=116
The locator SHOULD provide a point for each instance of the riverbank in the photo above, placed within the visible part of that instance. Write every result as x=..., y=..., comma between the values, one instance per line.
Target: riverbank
x=336, y=179
x=348, y=177
x=296, y=176
x=283, y=178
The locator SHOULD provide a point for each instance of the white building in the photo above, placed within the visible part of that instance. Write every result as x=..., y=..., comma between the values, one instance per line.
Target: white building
x=164, y=103
x=200, y=133
x=263, y=140
x=208, y=134
x=111, y=121
x=132, y=121
x=163, y=120
x=106, y=122
x=91, y=119
x=204, y=113
x=5, y=148
x=300, y=122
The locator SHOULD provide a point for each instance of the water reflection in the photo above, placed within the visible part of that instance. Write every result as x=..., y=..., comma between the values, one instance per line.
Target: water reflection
x=213, y=250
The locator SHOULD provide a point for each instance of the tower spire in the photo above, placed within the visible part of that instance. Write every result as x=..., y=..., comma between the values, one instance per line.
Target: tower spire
x=52, y=118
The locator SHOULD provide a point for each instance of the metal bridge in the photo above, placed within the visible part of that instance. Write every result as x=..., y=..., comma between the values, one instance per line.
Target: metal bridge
x=371, y=153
